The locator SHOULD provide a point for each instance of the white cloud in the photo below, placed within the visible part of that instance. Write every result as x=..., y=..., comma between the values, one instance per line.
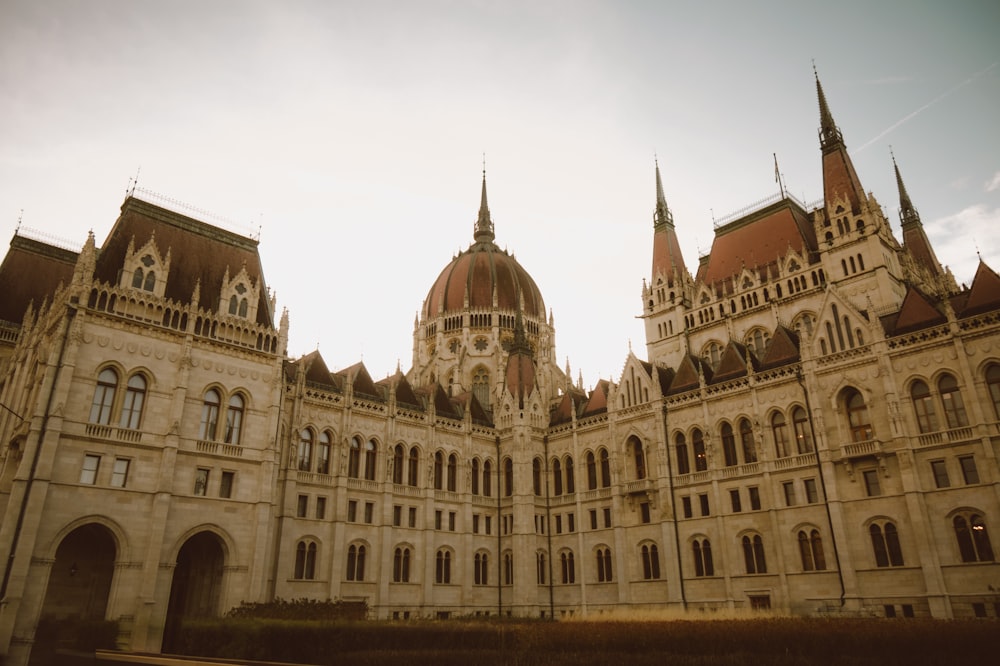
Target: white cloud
x=994, y=183
x=958, y=238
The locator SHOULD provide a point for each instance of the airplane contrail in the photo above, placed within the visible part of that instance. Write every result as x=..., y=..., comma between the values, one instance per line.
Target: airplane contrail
x=923, y=108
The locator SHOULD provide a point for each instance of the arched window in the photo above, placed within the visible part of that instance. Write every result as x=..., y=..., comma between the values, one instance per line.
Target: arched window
x=210, y=415
x=411, y=466
x=700, y=459
x=442, y=567
x=591, y=471
x=104, y=397
x=370, y=460
x=920, y=394
x=605, y=468
x=568, y=567
x=603, y=565
x=650, y=562
x=233, y=304
x=508, y=568
x=570, y=480
x=811, y=551
x=683, y=462
x=803, y=435
x=452, y=472
x=885, y=544
x=753, y=554
x=305, y=449
x=728, y=445
x=323, y=453
x=438, y=470
x=951, y=400
x=973, y=538
x=487, y=478
x=137, y=279
x=857, y=416
x=508, y=477
x=541, y=569
x=481, y=569
x=398, y=460
x=993, y=386
x=475, y=476
x=746, y=441
x=401, y=566
x=703, y=564
x=234, y=419
x=244, y=306
x=354, y=458
x=305, y=560
x=779, y=428
x=639, y=456
x=556, y=477
x=135, y=397
x=481, y=386
x=356, y=562
x=150, y=282
x=536, y=476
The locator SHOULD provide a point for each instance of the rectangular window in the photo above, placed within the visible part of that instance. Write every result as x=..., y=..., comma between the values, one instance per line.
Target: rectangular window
x=890, y=610
x=686, y=506
x=703, y=501
x=320, y=508
x=413, y=516
x=369, y=512
x=397, y=515
x=451, y=521
x=226, y=484
x=488, y=526
x=593, y=519
x=437, y=519
x=789, y=489
x=811, y=495
x=570, y=522
x=201, y=481
x=940, y=471
x=352, y=511
x=558, y=524
x=907, y=610
x=88, y=474
x=734, y=498
x=754, y=492
x=475, y=523
x=119, y=475
x=303, y=506
x=607, y=516
x=872, y=487
x=979, y=609
x=644, y=512
x=969, y=472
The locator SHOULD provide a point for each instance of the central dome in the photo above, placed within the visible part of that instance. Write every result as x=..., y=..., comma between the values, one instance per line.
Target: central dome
x=484, y=277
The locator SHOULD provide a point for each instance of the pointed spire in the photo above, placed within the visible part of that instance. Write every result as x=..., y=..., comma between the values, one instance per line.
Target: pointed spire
x=662, y=216
x=829, y=134
x=908, y=215
x=484, y=224
x=840, y=181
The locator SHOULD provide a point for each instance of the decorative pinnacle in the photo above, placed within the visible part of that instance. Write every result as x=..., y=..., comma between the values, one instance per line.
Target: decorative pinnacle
x=907, y=213
x=484, y=224
x=829, y=135
x=662, y=215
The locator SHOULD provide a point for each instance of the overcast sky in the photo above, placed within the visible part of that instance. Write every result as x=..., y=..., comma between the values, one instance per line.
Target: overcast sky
x=352, y=135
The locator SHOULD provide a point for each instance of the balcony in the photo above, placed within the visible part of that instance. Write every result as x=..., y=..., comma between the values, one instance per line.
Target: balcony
x=952, y=436
x=792, y=462
x=114, y=433
x=638, y=486
x=868, y=447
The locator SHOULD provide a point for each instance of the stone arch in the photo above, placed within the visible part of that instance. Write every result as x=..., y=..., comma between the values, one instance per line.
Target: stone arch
x=196, y=584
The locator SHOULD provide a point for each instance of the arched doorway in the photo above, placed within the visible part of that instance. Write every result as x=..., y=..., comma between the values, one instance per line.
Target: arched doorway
x=196, y=585
x=76, y=598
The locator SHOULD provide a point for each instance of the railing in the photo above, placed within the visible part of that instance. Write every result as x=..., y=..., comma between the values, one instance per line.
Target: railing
x=217, y=448
x=638, y=486
x=858, y=449
x=943, y=436
x=362, y=484
x=600, y=493
x=409, y=491
x=792, y=462
x=114, y=433
x=740, y=470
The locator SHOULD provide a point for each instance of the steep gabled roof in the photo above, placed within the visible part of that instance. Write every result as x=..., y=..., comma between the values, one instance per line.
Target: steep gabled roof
x=733, y=363
x=597, y=403
x=316, y=370
x=468, y=402
x=31, y=273
x=688, y=376
x=568, y=402
x=916, y=312
x=984, y=294
x=357, y=375
x=782, y=350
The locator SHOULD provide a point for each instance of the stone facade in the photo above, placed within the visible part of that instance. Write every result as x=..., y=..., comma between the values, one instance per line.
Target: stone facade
x=815, y=430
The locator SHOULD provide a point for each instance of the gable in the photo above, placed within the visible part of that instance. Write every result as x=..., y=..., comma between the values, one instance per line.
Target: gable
x=784, y=349
x=984, y=294
x=915, y=313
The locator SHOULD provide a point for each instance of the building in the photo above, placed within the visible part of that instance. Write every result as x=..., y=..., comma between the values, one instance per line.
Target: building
x=815, y=429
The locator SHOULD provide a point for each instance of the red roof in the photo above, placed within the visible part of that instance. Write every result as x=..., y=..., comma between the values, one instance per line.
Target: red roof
x=30, y=273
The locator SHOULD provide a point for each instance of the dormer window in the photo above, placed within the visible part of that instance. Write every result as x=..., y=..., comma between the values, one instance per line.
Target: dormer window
x=237, y=302
x=145, y=268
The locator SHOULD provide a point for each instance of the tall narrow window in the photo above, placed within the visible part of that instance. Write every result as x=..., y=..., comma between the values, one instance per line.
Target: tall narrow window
x=920, y=394
x=150, y=282
x=370, y=460
x=951, y=399
x=475, y=476
x=973, y=538
x=650, y=562
x=305, y=450
x=640, y=458
x=481, y=569
x=323, y=453
x=481, y=386
x=803, y=434
x=438, y=470
x=698, y=443
x=747, y=443
x=119, y=475
x=728, y=445
x=508, y=477
x=452, y=472
x=210, y=415
x=603, y=565
x=703, y=564
x=104, y=397
x=401, y=566
x=397, y=464
x=556, y=477
x=541, y=569
x=680, y=446
x=442, y=567
x=508, y=568
x=411, y=469
x=88, y=473
x=885, y=544
x=591, y=471
x=570, y=481
x=780, y=431
x=135, y=396
x=993, y=387
x=354, y=459
x=753, y=554
x=234, y=419
x=536, y=476
x=201, y=481
x=857, y=417
x=487, y=478
x=811, y=551
x=605, y=469
x=356, y=562
x=568, y=567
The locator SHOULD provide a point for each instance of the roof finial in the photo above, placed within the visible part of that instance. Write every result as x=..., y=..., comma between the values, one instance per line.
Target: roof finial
x=484, y=225
x=662, y=215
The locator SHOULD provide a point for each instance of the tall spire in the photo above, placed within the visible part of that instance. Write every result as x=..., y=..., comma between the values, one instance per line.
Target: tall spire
x=840, y=181
x=484, y=225
x=914, y=237
x=662, y=216
x=908, y=215
x=829, y=133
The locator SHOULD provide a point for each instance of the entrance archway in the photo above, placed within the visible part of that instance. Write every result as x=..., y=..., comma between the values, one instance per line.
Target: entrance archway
x=80, y=579
x=196, y=586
